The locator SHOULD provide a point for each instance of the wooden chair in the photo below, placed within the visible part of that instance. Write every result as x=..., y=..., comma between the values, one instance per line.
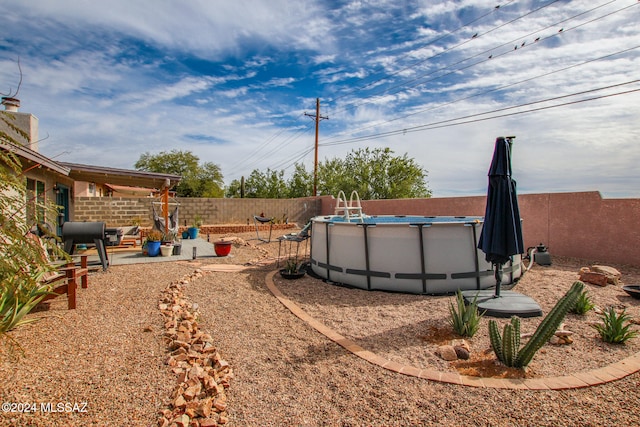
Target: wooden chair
x=65, y=277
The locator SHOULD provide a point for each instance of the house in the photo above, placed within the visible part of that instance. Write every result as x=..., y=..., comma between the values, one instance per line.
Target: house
x=48, y=180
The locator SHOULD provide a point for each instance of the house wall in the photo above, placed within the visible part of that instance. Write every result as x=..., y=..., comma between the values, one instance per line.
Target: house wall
x=581, y=225
x=28, y=123
x=51, y=180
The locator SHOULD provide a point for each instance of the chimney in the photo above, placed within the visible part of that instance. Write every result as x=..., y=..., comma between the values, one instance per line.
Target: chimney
x=10, y=104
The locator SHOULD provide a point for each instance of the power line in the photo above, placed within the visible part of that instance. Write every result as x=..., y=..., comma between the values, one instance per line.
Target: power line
x=500, y=88
x=401, y=86
x=429, y=43
x=450, y=122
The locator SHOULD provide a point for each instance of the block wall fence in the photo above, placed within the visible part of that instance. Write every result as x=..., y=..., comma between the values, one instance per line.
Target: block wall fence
x=123, y=211
x=580, y=225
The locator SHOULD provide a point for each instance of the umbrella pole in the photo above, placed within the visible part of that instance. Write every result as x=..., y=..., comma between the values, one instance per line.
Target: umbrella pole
x=498, y=275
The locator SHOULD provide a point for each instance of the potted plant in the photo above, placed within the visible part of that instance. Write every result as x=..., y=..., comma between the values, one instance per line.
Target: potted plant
x=166, y=249
x=193, y=230
x=222, y=247
x=154, y=240
x=292, y=270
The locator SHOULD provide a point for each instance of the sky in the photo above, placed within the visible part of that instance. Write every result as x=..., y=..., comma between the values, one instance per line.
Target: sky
x=236, y=84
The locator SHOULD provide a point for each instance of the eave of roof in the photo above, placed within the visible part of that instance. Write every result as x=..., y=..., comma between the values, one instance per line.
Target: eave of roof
x=127, y=177
x=36, y=158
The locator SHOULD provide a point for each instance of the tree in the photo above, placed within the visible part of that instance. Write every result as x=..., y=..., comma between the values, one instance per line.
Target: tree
x=204, y=180
x=374, y=174
x=301, y=182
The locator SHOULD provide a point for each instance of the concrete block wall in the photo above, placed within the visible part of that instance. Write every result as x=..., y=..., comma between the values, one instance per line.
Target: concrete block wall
x=120, y=211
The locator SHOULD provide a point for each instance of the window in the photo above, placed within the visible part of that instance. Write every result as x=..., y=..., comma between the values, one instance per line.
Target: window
x=35, y=201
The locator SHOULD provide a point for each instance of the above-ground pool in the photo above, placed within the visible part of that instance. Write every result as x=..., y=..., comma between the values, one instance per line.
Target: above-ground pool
x=413, y=254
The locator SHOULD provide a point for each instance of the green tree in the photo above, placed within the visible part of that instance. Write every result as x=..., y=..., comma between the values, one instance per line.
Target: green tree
x=374, y=174
x=261, y=185
x=301, y=182
x=204, y=180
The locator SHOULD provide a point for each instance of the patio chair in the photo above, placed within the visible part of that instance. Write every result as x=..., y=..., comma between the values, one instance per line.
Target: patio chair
x=262, y=220
x=297, y=238
x=65, y=277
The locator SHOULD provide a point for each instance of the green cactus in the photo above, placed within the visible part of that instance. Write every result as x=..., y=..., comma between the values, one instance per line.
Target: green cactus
x=507, y=346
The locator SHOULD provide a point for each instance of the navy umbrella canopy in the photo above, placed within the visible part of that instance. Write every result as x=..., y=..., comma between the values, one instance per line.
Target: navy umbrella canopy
x=501, y=235
x=501, y=238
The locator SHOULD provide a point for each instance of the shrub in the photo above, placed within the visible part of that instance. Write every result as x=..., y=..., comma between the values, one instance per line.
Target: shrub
x=616, y=327
x=23, y=262
x=583, y=304
x=465, y=320
x=154, y=236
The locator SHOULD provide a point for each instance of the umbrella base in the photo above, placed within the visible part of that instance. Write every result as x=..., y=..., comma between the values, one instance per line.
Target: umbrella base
x=508, y=304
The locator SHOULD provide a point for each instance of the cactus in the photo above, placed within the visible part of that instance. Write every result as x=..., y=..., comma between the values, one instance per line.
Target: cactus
x=507, y=346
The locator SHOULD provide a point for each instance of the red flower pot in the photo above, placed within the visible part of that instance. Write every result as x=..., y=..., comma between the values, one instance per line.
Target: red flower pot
x=222, y=248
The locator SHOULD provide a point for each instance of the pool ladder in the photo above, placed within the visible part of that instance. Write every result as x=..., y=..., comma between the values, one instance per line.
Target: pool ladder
x=349, y=211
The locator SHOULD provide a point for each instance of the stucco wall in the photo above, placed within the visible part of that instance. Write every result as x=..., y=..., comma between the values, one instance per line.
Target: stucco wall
x=581, y=225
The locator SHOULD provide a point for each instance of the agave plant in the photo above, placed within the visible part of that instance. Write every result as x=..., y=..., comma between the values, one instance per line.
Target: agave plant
x=507, y=346
x=583, y=303
x=17, y=299
x=615, y=328
x=465, y=320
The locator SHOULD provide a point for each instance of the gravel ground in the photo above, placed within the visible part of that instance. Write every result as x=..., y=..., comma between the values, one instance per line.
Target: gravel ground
x=110, y=354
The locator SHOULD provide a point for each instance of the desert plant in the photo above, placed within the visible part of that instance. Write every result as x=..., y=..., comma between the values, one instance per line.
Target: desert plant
x=197, y=221
x=154, y=236
x=583, y=303
x=465, y=319
x=615, y=328
x=23, y=261
x=507, y=347
x=291, y=266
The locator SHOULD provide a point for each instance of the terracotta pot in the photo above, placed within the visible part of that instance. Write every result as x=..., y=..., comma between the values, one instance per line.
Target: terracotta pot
x=222, y=248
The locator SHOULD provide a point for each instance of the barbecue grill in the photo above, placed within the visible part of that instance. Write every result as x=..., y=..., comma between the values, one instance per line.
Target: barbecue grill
x=74, y=233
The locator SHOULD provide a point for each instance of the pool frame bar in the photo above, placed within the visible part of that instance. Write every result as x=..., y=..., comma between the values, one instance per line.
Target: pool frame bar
x=375, y=254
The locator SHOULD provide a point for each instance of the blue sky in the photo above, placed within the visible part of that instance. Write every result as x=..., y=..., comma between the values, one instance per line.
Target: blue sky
x=231, y=81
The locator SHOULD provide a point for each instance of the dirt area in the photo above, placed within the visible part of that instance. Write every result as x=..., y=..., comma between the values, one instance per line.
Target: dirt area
x=110, y=352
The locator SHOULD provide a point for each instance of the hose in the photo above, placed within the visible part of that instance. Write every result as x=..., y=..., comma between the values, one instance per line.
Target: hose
x=530, y=251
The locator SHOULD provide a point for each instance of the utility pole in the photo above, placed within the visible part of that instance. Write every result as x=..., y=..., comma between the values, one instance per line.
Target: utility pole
x=317, y=118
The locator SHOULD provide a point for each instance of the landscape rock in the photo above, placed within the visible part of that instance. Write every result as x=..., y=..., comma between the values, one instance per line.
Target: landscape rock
x=613, y=275
x=202, y=374
x=461, y=352
x=594, y=278
x=208, y=422
x=447, y=352
x=461, y=343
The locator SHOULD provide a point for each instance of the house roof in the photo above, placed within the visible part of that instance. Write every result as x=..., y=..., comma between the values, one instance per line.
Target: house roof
x=124, y=177
x=34, y=158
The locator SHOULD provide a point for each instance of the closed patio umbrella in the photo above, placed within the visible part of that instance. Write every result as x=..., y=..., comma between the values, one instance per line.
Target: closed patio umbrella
x=501, y=235
x=501, y=238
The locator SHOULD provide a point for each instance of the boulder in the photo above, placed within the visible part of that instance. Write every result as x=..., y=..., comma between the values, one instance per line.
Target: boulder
x=447, y=352
x=594, y=278
x=613, y=275
x=461, y=352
